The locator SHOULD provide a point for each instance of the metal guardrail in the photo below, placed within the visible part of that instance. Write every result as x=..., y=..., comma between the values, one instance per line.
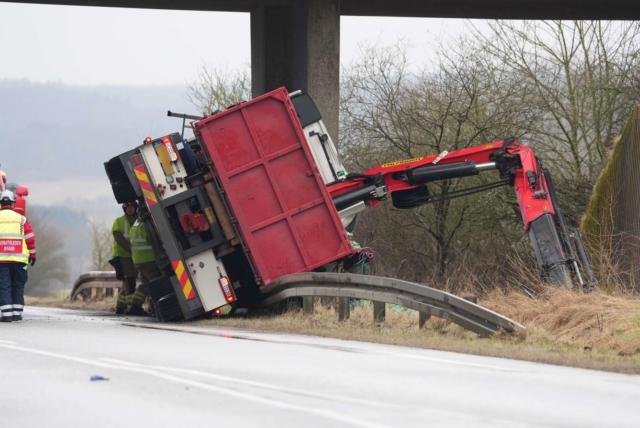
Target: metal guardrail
x=95, y=279
x=422, y=298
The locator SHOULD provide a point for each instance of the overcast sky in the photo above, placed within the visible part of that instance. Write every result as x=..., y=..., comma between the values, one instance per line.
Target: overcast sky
x=94, y=46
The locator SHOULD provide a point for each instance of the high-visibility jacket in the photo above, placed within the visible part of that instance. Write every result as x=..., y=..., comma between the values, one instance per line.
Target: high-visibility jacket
x=121, y=224
x=141, y=251
x=17, y=240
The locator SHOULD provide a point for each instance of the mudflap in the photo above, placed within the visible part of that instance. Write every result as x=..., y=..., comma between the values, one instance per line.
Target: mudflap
x=549, y=250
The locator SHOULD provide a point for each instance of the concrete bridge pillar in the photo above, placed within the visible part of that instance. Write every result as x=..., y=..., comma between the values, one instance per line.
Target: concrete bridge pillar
x=298, y=47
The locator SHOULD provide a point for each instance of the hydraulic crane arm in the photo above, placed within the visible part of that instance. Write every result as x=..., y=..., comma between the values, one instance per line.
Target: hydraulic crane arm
x=555, y=246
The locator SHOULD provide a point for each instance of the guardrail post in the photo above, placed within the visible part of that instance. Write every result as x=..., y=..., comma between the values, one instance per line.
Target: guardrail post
x=422, y=319
x=379, y=312
x=93, y=293
x=307, y=305
x=116, y=291
x=343, y=308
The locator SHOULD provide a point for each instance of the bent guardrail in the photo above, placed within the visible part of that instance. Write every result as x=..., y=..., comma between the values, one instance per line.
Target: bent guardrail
x=95, y=279
x=422, y=298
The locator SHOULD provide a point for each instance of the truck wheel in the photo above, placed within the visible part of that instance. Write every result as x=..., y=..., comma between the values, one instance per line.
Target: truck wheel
x=169, y=308
x=160, y=287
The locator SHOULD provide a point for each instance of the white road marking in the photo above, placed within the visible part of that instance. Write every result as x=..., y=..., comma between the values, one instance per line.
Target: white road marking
x=283, y=340
x=443, y=361
x=7, y=342
x=240, y=381
x=242, y=395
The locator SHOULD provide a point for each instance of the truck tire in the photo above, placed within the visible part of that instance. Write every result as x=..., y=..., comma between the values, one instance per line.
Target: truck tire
x=169, y=308
x=160, y=287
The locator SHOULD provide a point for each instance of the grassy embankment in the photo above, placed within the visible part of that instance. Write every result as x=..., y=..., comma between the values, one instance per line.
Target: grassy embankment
x=595, y=331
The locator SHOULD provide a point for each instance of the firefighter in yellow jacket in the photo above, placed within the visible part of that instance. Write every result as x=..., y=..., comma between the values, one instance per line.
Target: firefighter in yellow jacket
x=145, y=262
x=121, y=232
x=17, y=248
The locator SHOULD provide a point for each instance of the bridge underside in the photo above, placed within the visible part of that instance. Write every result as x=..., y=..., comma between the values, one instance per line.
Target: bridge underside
x=486, y=9
x=296, y=43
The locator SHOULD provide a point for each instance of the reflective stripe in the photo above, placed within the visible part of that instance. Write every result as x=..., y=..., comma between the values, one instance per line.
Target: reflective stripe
x=17, y=314
x=126, y=227
x=31, y=235
x=12, y=235
x=19, y=256
x=6, y=307
x=138, y=240
x=141, y=248
x=32, y=251
x=18, y=306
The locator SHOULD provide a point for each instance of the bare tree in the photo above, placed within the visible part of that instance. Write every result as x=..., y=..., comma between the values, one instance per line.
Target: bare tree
x=102, y=246
x=390, y=112
x=52, y=265
x=582, y=77
x=217, y=88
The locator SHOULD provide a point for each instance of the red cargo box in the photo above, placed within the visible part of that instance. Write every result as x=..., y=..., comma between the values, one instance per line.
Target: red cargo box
x=285, y=213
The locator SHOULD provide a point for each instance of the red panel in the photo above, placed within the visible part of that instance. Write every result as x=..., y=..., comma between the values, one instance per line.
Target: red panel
x=285, y=214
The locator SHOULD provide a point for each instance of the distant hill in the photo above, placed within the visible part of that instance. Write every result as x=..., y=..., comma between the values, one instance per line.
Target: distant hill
x=54, y=138
x=55, y=131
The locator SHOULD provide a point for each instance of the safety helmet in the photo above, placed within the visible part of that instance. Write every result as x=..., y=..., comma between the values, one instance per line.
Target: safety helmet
x=7, y=197
x=128, y=204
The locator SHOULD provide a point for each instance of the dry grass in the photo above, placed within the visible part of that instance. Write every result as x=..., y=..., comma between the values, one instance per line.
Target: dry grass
x=107, y=304
x=595, y=319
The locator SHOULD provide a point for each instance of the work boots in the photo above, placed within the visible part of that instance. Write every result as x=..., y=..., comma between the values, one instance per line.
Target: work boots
x=137, y=310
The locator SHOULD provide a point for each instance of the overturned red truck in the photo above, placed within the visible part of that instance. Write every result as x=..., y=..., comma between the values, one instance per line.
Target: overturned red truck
x=260, y=194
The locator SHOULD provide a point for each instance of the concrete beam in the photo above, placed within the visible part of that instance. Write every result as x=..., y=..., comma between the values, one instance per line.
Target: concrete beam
x=298, y=47
x=489, y=9
x=271, y=49
x=316, y=35
x=495, y=9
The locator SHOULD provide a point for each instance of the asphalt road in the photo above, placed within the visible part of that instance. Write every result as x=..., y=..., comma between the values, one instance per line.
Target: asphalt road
x=185, y=376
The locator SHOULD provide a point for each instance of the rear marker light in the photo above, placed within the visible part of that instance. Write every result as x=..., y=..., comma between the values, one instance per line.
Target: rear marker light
x=226, y=289
x=218, y=311
x=170, y=148
x=147, y=140
x=173, y=187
